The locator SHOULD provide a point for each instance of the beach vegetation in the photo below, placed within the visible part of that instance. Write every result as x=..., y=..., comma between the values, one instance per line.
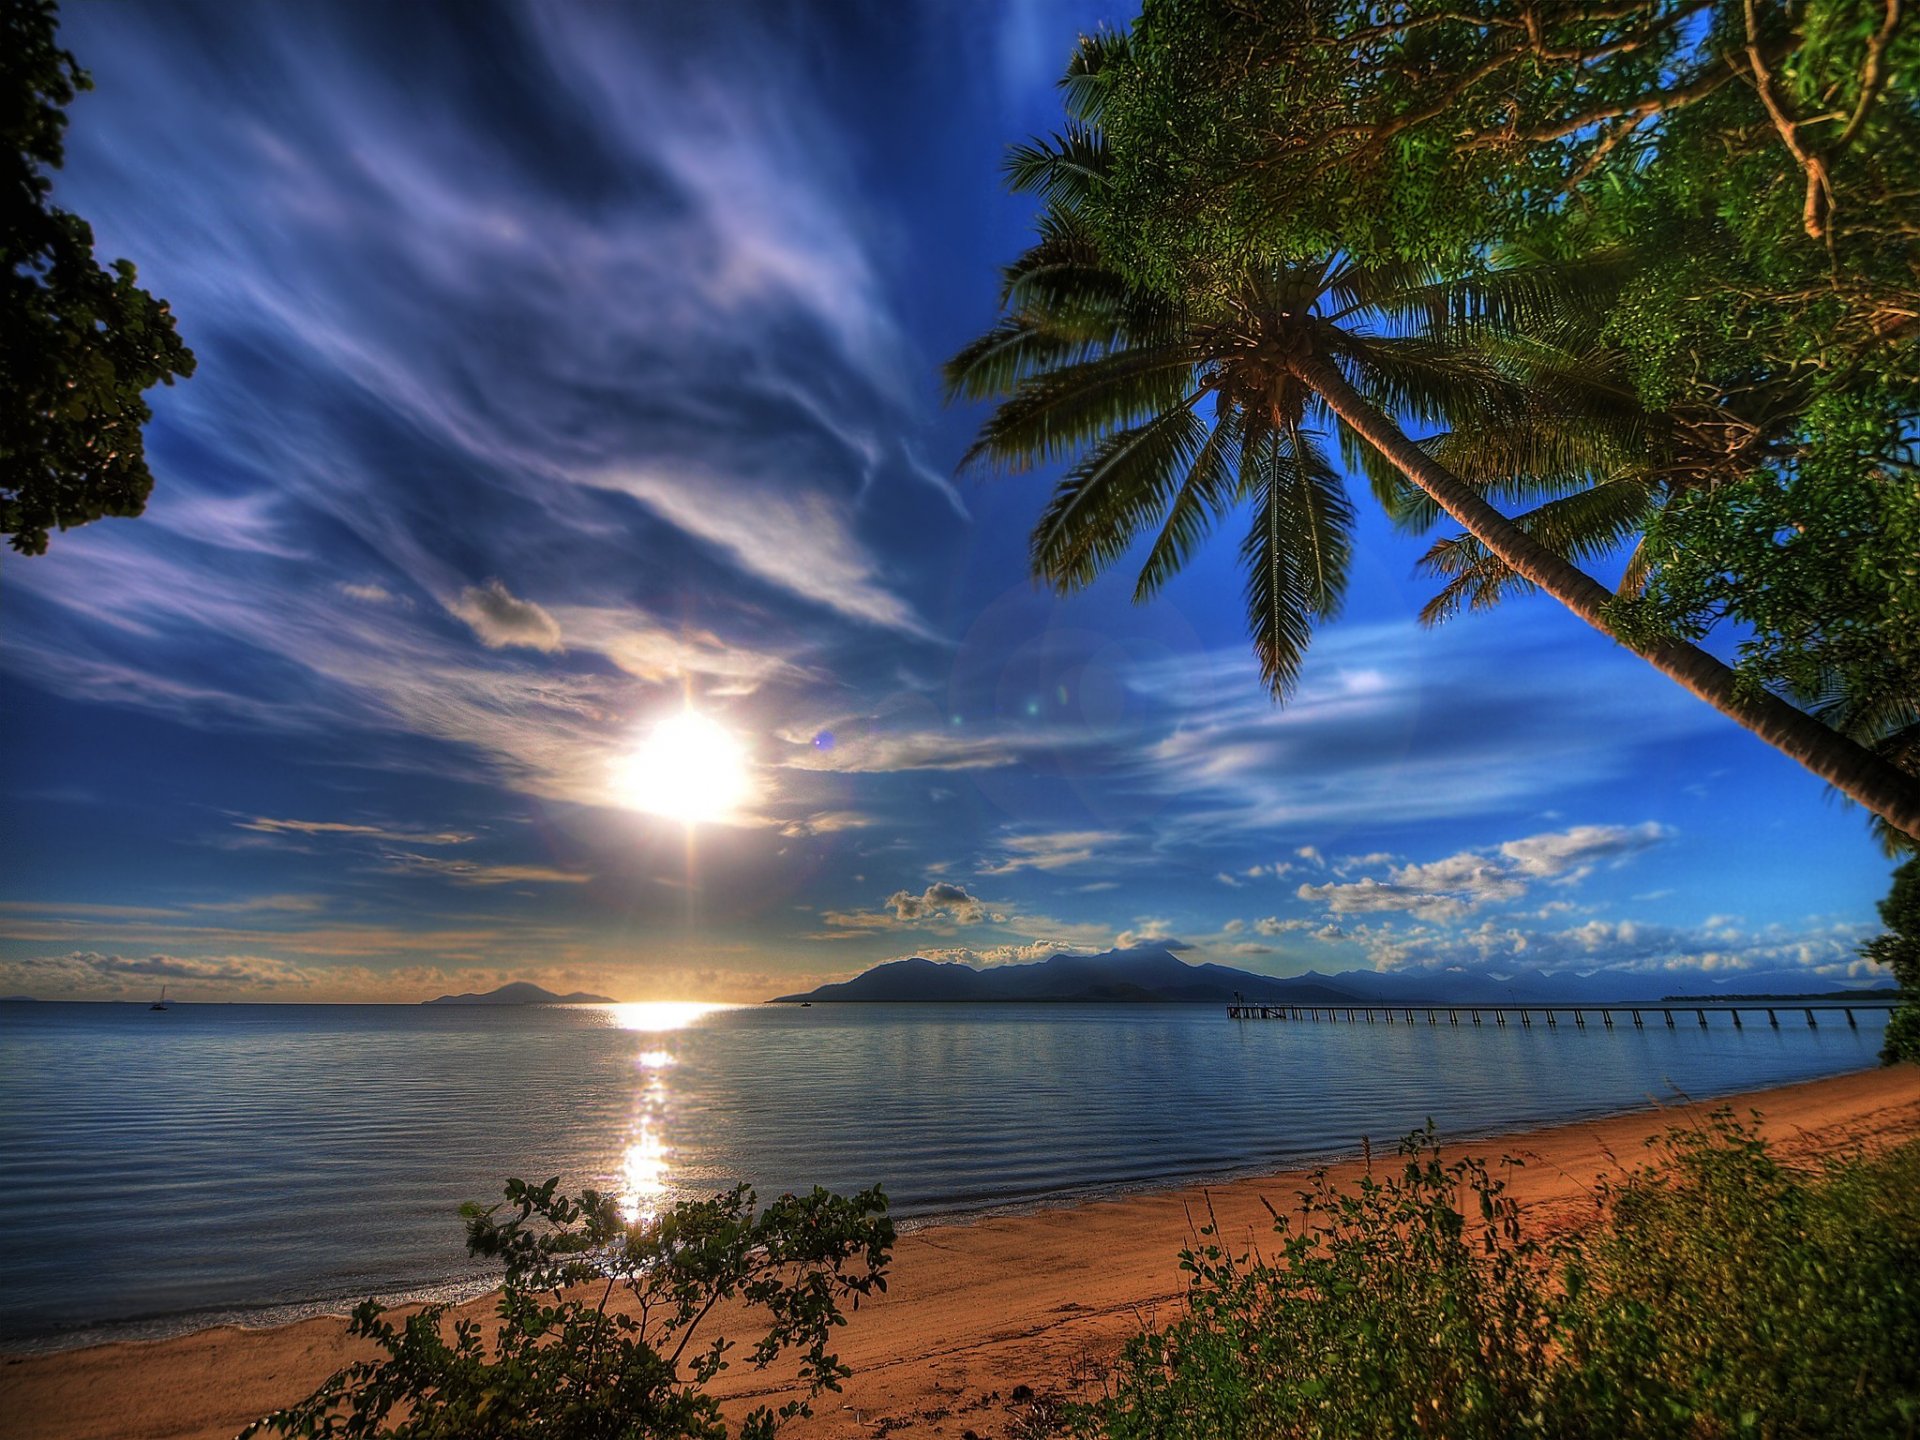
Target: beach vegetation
x=1663, y=254
x=599, y=1331
x=1717, y=1291
x=79, y=343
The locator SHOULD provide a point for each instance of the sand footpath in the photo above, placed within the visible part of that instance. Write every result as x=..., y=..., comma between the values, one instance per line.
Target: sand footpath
x=974, y=1311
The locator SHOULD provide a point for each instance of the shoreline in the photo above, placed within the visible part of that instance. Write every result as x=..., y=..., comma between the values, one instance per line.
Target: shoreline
x=975, y=1306
x=461, y=1294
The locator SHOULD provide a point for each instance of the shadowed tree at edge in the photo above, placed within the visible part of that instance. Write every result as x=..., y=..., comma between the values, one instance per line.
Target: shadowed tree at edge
x=78, y=343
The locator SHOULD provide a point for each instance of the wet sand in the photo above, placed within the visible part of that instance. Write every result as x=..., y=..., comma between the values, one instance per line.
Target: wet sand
x=978, y=1316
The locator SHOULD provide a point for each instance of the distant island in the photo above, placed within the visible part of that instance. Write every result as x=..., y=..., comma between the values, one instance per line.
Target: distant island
x=521, y=992
x=1154, y=974
x=19, y=1000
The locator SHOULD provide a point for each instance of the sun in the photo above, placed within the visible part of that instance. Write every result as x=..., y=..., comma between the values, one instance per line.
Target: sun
x=690, y=768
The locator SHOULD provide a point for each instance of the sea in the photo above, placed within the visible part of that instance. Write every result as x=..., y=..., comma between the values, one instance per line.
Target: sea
x=161, y=1171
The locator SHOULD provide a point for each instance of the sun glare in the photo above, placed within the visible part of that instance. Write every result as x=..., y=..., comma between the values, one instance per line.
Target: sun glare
x=658, y=1015
x=689, y=769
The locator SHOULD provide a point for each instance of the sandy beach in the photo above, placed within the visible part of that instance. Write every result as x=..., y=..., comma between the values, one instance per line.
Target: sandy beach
x=974, y=1311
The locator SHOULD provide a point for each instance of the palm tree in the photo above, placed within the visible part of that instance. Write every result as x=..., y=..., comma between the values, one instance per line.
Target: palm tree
x=1597, y=486
x=1091, y=369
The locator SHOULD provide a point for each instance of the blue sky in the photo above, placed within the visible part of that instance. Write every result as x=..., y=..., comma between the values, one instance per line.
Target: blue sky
x=562, y=366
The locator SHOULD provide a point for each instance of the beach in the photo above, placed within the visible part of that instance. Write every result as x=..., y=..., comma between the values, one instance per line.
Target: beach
x=973, y=1312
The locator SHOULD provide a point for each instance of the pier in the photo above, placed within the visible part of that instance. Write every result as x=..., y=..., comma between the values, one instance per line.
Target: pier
x=1552, y=1017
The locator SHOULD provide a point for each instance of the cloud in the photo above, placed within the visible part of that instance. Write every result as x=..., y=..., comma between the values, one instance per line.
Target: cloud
x=1451, y=888
x=1276, y=925
x=942, y=899
x=825, y=822
x=801, y=541
x=81, y=971
x=1148, y=930
x=267, y=826
x=1462, y=722
x=1578, y=849
x=985, y=957
x=500, y=618
x=1369, y=896
x=369, y=594
x=1057, y=850
x=1828, y=949
x=943, y=906
x=658, y=653
x=471, y=872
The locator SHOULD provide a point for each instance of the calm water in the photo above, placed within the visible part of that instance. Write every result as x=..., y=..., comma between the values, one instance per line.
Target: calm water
x=159, y=1171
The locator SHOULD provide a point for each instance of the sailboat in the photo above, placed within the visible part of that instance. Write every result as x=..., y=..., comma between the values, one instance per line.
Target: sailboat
x=161, y=1003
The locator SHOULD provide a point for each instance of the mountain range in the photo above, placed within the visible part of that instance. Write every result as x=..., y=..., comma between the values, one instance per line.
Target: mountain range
x=1154, y=973
x=520, y=992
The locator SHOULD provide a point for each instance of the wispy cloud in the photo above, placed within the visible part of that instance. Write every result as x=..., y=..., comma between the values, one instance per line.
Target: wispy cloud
x=267, y=825
x=472, y=872
x=1057, y=850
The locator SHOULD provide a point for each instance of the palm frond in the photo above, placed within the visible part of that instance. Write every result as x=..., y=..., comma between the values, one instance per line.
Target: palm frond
x=1205, y=495
x=1012, y=351
x=1089, y=73
x=1051, y=414
x=1297, y=549
x=1419, y=379
x=1062, y=169
x=1583, y=526
x=1563, y=301
x=1124, y=482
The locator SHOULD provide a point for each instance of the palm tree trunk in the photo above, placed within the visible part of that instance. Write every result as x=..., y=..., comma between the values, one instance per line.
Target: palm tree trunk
x=1850, y=768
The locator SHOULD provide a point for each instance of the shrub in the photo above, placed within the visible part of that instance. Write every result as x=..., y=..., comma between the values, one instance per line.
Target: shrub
x=1721, y=1293
x=564, y=1364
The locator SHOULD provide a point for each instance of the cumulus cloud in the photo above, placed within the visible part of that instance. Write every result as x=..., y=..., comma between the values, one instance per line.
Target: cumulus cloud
x=1368, y=896
x=942, y=906
x=1826, y=949
x=984, y=957
x=1276, y=925
x=940, y=900
x=499, y=618
x=1149, y=931
x=1449, y=889
x=1577, y=850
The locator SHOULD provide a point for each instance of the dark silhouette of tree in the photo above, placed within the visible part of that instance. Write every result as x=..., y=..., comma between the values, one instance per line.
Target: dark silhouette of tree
x=78, y=343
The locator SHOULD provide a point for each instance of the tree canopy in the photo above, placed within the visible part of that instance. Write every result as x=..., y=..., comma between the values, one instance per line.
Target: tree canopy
x=79, y=343
x=1243, y=216
x=1742, y=168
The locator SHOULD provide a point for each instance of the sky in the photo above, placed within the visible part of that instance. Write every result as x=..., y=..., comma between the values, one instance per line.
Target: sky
x=563, y=367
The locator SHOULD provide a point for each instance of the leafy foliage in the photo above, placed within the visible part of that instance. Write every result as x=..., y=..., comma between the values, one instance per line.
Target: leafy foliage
x=1899, y=951
x=78, y=343
x=564, y=1362
x=1723, y=1294
x=1742, y=174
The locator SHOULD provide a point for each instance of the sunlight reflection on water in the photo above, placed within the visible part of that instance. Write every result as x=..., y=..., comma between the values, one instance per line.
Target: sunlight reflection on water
x=644, y=1167
x=646, y=1162
x=661, y=1014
